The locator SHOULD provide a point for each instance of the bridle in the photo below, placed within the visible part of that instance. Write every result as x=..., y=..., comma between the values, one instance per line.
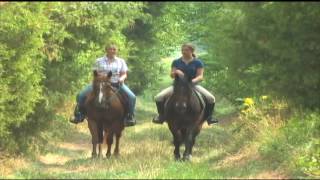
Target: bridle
x=115, y=88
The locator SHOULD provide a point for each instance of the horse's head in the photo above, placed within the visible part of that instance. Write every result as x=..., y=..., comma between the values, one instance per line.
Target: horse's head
x=101, y=88
x=182, y=92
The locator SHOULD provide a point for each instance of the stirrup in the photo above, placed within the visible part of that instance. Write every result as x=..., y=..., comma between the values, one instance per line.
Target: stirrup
x=157, y=120
x=212, y=120
x=75, y=121
x=129, y=121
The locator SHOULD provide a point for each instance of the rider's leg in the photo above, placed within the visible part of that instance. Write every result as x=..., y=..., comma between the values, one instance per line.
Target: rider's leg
x=210, y=104
x=160, y=99
x=129, y=120
x=79, y=111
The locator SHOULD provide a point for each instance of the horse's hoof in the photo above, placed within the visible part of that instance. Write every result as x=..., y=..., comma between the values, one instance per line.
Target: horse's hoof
x=93, y=156
x=177, y=157
x=116, y=155
x=108, y=156
x=187, y=158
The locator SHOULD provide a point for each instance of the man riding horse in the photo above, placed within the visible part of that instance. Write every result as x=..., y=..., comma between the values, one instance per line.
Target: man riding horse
x=119, y=68
x=193, y=68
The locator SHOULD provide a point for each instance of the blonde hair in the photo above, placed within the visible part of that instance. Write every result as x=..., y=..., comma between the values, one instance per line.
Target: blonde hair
x=110, y=44
x=191, y=47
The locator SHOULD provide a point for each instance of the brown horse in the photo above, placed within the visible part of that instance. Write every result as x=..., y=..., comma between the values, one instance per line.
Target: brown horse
x=184, y=116
x=105, y=114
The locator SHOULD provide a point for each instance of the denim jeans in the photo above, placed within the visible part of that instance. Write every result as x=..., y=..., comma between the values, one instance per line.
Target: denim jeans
x=81, y=97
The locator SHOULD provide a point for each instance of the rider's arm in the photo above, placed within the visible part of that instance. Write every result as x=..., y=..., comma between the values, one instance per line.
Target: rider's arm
x=173, y=72
x=199, y=76
x=123, y=71
x=123, y=76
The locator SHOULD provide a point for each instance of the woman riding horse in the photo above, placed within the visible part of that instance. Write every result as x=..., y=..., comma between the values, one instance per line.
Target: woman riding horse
x=194, y=68
x=119, y=68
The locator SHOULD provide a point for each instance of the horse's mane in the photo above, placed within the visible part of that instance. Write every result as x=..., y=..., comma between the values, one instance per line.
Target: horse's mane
x=182, y=82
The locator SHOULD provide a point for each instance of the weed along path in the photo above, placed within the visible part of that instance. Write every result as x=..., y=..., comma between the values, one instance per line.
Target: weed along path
x=146, y=152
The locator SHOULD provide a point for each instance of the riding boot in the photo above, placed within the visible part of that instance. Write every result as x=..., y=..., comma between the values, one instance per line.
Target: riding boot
x=159, y=119
x=210, y=109
x=79, y=114
x=129, y=120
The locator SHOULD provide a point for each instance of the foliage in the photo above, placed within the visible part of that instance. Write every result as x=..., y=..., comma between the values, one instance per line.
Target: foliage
x=296, y=145
x=48, y=49
x=257, y=48
x=22, y=26
x=285, y=137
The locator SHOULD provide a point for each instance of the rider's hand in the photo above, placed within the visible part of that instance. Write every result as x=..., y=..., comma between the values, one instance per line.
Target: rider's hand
x=121, y=80
x=179, y=73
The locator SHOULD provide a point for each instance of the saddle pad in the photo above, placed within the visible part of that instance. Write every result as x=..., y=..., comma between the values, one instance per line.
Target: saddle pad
x=124, y=99
x=201, y=98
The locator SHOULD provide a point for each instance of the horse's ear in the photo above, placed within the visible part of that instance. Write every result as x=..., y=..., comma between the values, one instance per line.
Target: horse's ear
x=95, y=73
x=109, y=74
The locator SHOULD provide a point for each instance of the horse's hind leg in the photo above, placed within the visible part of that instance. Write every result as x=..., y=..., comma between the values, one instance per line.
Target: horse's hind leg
x=109, y=143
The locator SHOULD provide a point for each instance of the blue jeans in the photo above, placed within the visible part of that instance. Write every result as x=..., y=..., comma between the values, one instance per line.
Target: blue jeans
x=81, y=97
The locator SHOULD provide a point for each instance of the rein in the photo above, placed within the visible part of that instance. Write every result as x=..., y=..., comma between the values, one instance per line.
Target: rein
x=111, y=98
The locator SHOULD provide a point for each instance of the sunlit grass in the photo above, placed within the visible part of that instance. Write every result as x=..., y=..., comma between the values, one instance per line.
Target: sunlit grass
x=146, y=152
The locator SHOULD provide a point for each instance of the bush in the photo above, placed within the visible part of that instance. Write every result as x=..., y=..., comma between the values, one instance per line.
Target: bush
x=296, y=145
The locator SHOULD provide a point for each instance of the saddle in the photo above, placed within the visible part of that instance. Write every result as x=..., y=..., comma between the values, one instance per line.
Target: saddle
x=200, y=97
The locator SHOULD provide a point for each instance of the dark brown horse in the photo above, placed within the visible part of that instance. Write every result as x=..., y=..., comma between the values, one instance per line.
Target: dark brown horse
x=105, y=114
x=184, y=115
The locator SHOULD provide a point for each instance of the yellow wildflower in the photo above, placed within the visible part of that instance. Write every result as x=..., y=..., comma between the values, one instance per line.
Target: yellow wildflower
x=243, y=111
x=248, y=101
x=264, y=97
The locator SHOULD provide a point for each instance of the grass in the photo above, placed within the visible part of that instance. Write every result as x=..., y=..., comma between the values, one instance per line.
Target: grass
x=226, y=150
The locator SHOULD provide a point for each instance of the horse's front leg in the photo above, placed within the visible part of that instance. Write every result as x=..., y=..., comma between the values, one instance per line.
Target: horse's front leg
x=100, y=150
x=189, y=142
x=116, y=150
x=94, y=150
x=177, y=140
x=94, y=137
x=109, y=143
